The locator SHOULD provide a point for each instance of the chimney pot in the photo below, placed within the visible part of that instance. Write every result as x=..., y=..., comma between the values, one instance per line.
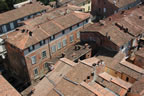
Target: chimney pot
x=30, y=33
x=140, y=17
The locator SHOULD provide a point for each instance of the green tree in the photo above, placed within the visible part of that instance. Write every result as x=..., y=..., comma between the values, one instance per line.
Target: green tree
x=3, y=6
x=6, y=5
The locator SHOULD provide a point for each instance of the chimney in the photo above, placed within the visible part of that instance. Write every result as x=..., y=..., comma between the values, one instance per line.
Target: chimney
x=125, y=30
x=109, y=19
x=102, y=22
x=140, y=17
x=30, y=33
x=23, y=30
x=122, y=12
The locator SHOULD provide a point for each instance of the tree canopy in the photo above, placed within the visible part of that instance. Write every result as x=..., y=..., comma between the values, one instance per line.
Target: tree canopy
x=6, y=5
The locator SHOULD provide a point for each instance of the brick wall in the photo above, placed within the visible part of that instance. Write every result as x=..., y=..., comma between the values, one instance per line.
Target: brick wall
x=39, y=62
x=17, y=65
x=99, y=5
x=100, y=40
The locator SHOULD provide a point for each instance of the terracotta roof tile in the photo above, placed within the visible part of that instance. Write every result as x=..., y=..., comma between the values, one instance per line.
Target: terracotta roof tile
x=121, y=3
x=138, y=87
x=6, y=89
x=67, y=61
x=132, y=66
x=114, y=84
x=115, y=80
x=43, y=31
x=21, y=12
x=43, y=87
x=90, y=61
x=140, y=52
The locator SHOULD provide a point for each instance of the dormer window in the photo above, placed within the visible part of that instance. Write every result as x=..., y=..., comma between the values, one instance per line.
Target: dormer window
x=52, y=37
x=42, y=42
x=31, y=48
x=70, y=28
x=78, y=25
x=63, y=32
x=86, y=20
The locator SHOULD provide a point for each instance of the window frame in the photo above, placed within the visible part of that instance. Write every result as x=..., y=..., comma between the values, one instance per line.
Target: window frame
x=64, y=44
x=78, y=35
x=42, y=42
x=32, y=58
x=31, y=48
x=59, y=47
x=42, y=54
x=53, y=51
x=71, y=38
x=11, y=25
x=35, y=71
x=4, y=28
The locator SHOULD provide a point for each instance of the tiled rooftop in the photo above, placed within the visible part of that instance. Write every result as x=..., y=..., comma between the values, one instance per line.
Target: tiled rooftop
x=73, y=2
x=140, y=52
x=129, y=19
x=21, y=12
x=53, y=78
x=90, y=61
x=115, y=80
x=6, y=89
x=23, y=40
x=132, y=66
x=114, y=84
x=121, y=3
x=114, y=63
x=55, y=13
x=138, y=87
x=67, y=88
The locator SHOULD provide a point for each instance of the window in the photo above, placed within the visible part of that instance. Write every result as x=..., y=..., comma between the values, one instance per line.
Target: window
x=38, y=13
x=86, y=20
x=44, y=55
x=4, y=28
x=46, y=65
x=31, y=16
x=36, y=72
x=11, y=25
x=88, y=8
x=70, y=28
x=18, y=21
x=78, y=34
x=33, y=59
x=71, y=38
x=64, y=42
x=59, y=45
x=104, y=10
x=63, y=32
x=78, y=25
x=52, y=37
x=115, y=12
x=83, y=4
x=31, y=48
x=42, y=42
x=25, y=18
x=53, y=48
x=127, y=79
